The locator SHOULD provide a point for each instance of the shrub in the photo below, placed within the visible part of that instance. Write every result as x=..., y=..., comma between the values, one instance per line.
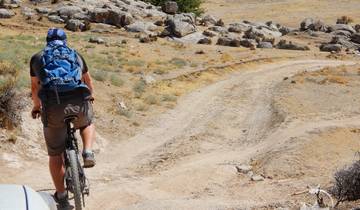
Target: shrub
x=152, y=99
x=184, y=5
x=139, y=87
x=116, y=80
x=99, y=75
x=178, y=62
x=9, y=115
x=168, y=97
x=344, y=20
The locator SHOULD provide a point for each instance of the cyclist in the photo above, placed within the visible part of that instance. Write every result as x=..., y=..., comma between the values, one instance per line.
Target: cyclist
x=55, y=100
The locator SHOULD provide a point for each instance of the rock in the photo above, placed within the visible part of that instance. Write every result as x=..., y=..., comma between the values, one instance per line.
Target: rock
x=249, y=43
x=184, y=17
x=148, y=79
x=262, y=34
x=291, y=46
x=355, y=38
x=220, y=22
x=312, y=24
x=179, y=28
x=257, y=178
x=239, y=27
x=67, y=12
x=243, y=168
x=285, y=30
x=140, y=26
x=42, y=10
x=343, y=27
x=99, y=15
x=228, y=41
x=330, y=48
x=4, y=13
x=56, y=19
x=205, y=41
x=357, y=28
x=96, y=40
x=159, y=23
x=209, y=33
x=28, y=12
x=114, y=17
x=170, y=7
x=200, y=52
x=218, y=29
x=266, y=45
x=146, y=38
x=190, y=39
x=341, y=33
x=74, y=25
x=208, y=20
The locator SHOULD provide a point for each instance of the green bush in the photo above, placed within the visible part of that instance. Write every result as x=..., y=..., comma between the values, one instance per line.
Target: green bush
x=99, y=75
x=184, y=5
x=116, y=80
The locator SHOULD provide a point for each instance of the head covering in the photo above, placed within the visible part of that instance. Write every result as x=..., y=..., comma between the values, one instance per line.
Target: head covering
x=56, y=34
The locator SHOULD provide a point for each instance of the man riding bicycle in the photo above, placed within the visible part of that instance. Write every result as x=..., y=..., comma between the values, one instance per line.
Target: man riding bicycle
x=61, y=86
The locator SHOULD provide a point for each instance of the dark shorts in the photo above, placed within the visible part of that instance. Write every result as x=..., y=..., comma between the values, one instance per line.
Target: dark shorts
x=53, y=115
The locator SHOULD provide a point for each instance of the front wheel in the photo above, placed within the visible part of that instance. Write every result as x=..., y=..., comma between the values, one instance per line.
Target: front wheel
x=75, y=181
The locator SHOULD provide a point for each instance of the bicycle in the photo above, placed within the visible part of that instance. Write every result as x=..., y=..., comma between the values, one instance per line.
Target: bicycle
x=75, y=179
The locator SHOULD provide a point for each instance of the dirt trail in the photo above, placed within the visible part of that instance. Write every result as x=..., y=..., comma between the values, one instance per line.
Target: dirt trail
x=186, y=159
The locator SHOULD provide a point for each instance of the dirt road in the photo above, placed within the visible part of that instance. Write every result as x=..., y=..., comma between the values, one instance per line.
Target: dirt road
x=187, y=158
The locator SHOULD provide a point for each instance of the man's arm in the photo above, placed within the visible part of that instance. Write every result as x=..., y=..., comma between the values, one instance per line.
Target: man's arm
x=87, y=80
x=35, y=87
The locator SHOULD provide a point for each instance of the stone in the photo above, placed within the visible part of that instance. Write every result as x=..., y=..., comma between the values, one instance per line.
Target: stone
x=343, y=27
x=262, y=34
x=257, y=178
x=283, y=44
x=56, y=19
x=345, y=42
x=42, y=10
x=170, y=7
x=243, y=168
x=355, y=38
x=209, y=33
x=208, y=20
x=248, y=43
x=28, y=12
x=68, y=11
x=266, y=45
x=220, y=22
x=228, y=41
x=146, y=38
x=140, y=26
x=205, y=41
x=357, y=28
x=341, y=33
x=180, y=28
x=4, y=13
x=96, y=40
x=74, y=25
x=148, y=79
x=159, y=23
x=312, y=24
x=114, y=17
x=285, y=30
x=238, y=27
x=218, y=29
x=330, y=48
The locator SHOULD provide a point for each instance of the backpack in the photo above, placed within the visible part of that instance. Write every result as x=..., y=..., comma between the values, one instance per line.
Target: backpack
x=61, y=71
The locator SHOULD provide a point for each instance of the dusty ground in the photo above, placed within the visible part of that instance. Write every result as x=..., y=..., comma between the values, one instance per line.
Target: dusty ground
x=293, y=116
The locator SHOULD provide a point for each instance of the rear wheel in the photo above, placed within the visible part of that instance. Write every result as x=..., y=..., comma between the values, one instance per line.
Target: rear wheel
x=73, y=161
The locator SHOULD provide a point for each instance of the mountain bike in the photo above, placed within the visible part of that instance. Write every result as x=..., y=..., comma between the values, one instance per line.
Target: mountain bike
x=75, y=178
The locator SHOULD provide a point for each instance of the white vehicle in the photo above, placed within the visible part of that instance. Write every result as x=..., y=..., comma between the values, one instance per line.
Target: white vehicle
x=20, y=197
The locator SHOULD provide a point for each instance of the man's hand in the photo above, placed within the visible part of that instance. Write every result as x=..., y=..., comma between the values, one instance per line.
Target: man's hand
x=35, y=112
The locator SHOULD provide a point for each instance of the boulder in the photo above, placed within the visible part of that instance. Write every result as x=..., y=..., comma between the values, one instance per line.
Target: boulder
x=285, y=30
x=244, y=169
x=67, y=12
x=114, y=17
x=283, y=44
x=218, y=29
x=180, y=28
x=262, y=34
x=345, y=42
x=74, y=25
x=193, y=38
x=170, y=7
x=99, y=15
x=56, y=19
x=248, y=43
x=184, y=17
x=220, y=22
x=357, y=28
x=228, y=41
x=266, y=45
x=355, y=38
x=96, y=40
x=140, y=26
x=341, y=33
x=4, y=13
x=208, y=20
x=28, y=12
x=205, y=41
x=42, y=10
x=209, y=33
x=330, y=48
x=238, y=27
x=341, y=27
x=257, y=178
x=312, y=24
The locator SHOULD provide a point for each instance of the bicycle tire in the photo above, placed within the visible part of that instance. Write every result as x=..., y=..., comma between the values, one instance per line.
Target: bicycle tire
x=73, y=161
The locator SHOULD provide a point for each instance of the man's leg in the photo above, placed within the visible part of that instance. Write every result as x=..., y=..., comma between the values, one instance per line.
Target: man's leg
x=57, y=172
x=88, y=136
